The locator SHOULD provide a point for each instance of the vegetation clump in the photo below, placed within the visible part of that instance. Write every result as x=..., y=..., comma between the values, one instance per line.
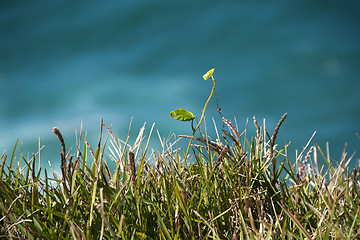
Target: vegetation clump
x=230, y=187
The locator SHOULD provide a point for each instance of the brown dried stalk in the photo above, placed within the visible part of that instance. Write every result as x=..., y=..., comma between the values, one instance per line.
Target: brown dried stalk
x=221, y=156
x=272, y=142
x=132, y=167
x=235, y=132
x=63, y=153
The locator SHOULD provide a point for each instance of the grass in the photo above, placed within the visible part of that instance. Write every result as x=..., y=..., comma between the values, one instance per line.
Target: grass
x=227, y=188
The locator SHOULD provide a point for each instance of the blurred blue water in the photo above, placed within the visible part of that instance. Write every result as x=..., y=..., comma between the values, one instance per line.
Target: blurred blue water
x=63, y=63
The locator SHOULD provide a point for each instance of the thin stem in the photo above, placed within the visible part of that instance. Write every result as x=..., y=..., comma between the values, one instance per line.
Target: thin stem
x=202, y=117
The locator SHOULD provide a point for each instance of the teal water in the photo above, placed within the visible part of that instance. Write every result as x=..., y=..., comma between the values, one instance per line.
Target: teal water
x=63, y=63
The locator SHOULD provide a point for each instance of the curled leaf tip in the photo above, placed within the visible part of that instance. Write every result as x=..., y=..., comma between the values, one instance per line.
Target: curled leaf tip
x=208, y=74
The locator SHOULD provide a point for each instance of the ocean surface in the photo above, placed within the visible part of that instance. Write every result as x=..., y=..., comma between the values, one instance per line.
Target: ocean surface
x=67, y=63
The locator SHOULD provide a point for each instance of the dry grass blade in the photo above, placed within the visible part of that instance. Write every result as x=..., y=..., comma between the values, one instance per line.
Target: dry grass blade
x=227, y=192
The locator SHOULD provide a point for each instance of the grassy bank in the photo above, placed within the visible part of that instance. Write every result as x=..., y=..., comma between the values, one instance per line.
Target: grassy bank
x=220, y=187
x=228, y=188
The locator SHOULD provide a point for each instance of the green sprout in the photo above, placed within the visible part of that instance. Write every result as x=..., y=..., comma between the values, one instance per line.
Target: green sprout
x=184, y=115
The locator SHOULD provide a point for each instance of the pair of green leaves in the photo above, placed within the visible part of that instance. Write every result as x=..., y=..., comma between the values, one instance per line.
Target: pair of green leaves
x=184, y=115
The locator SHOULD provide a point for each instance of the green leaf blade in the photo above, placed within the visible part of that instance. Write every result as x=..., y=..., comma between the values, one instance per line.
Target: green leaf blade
x=182, y=115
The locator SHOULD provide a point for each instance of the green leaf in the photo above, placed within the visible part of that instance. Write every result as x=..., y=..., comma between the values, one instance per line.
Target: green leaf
x=208, y=74
x=182, y=115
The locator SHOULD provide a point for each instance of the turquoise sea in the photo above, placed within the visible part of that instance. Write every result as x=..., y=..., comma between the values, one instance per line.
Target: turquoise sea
x=63, y=63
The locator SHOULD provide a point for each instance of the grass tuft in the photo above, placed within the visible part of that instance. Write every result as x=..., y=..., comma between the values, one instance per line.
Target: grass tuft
x=228, y=190
x=232, y=187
